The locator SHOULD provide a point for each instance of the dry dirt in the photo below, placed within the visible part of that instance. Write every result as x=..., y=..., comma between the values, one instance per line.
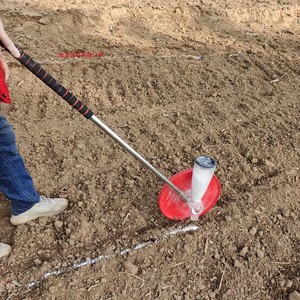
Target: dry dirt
x=178, y=79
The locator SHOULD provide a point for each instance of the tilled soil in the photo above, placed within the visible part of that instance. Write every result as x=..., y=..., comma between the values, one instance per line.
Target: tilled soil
x=176, y=81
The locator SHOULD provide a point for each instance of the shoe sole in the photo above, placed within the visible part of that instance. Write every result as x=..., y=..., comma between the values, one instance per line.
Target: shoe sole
x=25, y=219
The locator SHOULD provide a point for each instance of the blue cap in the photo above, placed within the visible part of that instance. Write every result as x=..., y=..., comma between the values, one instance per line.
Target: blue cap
x=205, y=162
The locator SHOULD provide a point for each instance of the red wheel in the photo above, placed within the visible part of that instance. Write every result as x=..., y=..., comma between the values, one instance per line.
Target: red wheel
x=175, y=208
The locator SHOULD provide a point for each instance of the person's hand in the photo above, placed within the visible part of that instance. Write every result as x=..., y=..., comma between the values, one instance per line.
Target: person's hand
x=9, y=45
x=7, y=42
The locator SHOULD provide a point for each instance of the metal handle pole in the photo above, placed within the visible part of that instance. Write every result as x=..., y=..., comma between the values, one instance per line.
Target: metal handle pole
x=57, y=87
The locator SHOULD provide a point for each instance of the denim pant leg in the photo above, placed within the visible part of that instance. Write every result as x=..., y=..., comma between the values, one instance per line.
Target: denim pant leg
x=15, y=182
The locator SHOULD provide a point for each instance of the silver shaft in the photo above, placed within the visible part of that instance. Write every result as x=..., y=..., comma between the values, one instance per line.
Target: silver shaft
x=113, y=135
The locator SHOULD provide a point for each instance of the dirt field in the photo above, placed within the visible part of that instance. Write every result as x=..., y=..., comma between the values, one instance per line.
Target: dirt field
x=178, y=79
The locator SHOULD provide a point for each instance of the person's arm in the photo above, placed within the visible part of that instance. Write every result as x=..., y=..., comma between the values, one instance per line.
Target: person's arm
x=9, y=45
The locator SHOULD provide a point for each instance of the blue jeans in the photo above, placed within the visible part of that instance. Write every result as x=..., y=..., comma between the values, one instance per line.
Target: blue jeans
x=15, y=182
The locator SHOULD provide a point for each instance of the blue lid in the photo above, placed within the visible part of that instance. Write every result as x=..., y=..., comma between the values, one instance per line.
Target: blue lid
x=206, y=162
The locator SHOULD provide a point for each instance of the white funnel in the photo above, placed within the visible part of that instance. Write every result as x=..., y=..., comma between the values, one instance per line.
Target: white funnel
x=203, y=172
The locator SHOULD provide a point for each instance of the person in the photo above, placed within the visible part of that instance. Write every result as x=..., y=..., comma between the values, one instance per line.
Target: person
x=15, y=181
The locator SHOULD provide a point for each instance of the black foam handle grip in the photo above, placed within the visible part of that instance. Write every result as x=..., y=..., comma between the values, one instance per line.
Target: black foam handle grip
x=38, y=71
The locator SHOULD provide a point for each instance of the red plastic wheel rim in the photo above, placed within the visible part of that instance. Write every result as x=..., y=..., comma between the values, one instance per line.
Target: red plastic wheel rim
x=174, y=208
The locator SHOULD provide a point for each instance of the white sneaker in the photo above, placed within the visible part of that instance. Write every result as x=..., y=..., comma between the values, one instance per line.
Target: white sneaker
x=46, y=207
x=4, y=250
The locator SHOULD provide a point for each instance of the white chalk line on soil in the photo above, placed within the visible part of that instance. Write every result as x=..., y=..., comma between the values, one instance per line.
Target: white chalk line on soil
x=91, y=261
